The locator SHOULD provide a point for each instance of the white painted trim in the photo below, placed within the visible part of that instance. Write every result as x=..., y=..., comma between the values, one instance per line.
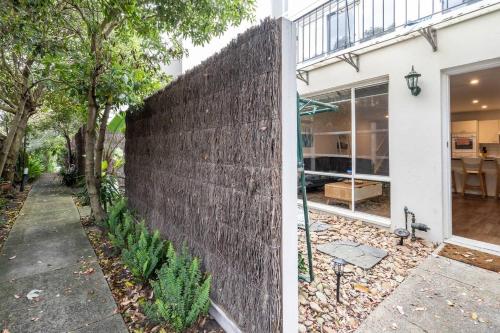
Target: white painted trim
x=359, y=84
x=475, y=245
x=446, y=155
x=372, y=219
x=223, y=319
x=446, y=150
x=289, y=238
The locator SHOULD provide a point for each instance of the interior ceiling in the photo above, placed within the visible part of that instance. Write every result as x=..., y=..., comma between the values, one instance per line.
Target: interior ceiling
x=487, y=91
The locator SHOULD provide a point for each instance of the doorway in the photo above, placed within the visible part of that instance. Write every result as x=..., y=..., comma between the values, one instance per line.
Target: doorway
x=474, y=156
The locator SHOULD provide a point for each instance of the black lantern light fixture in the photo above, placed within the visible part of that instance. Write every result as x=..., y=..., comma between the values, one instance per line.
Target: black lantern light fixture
x=412, y=81
x=338, y=268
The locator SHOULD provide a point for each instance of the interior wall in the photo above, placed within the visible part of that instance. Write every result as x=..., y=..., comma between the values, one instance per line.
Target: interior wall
x=416, y=141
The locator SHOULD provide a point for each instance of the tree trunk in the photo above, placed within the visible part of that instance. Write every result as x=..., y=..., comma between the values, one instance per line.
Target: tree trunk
x=13, y=128
x=70, y=152
x=100, y=143
x=90, y=177
x=10, y=164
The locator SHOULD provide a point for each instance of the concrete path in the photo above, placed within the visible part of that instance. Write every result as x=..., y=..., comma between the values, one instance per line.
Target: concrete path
x=48, y=250
x=441, y=295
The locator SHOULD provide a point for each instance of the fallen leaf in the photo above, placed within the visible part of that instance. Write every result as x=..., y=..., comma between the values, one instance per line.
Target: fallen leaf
x=17, y=296
x=5, y=330
x=35, y=319
x=450, y=303
x=88, y=271
x=360, y=287
x=13, y=257
x=473, y=315
x=35, y=293
x=394, y=326
x=400, y=309
x=489, y=260
x=420, y=309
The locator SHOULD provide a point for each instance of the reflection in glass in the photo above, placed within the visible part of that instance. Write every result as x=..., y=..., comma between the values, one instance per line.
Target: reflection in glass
x=373, y=197
x=332, y=191
x=372, y=130
x=329, y=150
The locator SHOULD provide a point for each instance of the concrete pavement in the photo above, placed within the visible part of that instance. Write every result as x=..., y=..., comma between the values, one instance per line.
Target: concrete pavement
x=48, y=250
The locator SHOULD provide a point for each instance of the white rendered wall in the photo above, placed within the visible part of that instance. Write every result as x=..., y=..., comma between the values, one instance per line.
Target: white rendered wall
x=415, y=123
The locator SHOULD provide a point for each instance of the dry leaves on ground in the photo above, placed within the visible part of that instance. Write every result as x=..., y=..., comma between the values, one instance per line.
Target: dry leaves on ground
x=361, y=290
x=11, y=205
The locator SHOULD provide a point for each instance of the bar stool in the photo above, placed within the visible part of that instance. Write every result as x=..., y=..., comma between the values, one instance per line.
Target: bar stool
x=473, y=167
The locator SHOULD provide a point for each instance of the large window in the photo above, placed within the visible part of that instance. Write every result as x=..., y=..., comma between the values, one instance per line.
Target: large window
x=341, y=28
x=346, y=170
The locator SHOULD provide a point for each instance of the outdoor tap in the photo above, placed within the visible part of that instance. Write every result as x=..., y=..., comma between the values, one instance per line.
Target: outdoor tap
x=417, y=226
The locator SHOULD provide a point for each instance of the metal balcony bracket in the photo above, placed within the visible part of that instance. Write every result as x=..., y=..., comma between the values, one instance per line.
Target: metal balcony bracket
x=430, y=34
x=351, y=58
x=303, y=76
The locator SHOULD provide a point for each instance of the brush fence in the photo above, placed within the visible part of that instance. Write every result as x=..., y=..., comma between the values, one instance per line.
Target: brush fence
x=204, y=166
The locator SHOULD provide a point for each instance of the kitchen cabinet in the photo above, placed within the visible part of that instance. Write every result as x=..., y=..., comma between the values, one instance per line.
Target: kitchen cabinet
x=488, y=131
x=462, y=127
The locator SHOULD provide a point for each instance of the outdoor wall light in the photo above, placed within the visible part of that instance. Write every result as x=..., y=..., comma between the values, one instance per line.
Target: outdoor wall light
x=338, y=268
x=412, y=81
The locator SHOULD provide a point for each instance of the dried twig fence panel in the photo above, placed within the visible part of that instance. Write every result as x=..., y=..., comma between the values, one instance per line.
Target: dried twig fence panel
x=204, y=165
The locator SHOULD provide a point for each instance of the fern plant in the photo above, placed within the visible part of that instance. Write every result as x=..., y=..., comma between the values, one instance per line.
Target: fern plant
x=144, y=255
x=121, y=231
x=116, y=215
x=181, y=291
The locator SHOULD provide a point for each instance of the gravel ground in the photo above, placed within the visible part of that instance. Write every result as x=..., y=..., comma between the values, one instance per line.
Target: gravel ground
x=361, y=291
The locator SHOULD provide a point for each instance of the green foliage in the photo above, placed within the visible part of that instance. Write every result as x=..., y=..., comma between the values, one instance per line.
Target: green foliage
x=82, y=195
x=119, y=230
x=181, y=291
x=302, y=264
x=35, y=167
x=144, y=255
x=69, y=176
x=110, y=191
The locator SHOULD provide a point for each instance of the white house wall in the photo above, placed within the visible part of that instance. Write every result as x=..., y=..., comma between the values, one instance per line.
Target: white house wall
x=415, y=123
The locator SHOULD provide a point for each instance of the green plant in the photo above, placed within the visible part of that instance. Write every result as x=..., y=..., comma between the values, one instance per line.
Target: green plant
x=35, y=167
x=143, y=256
x=120, y=231
x=109, y=190
x=302, y=264
x=181, y=291
x=69, y=176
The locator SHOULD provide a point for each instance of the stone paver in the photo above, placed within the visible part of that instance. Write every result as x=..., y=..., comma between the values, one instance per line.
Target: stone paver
x=354, y=253
x=441, y=295
x=315, y=226
x=47, y=249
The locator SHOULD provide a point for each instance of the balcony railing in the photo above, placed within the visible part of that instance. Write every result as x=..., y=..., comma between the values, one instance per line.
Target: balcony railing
x=339, y=24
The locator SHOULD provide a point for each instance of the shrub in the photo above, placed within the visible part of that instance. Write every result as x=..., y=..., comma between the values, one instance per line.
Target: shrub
x=116, y=215
x=109, y=191
x=121, y=229
x=35, y=167
x=143, y=256
x=181, y=292
x=69, y=176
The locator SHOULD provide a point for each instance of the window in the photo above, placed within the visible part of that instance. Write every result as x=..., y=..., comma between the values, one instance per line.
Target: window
x=341, y=28
x=345, y=170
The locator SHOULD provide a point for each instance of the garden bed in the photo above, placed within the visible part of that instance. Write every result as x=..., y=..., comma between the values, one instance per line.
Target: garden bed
x=361, y=290
x=10, y=206
x=129, y=294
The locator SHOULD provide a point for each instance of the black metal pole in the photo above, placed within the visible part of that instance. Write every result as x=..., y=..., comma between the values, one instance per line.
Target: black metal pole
x=338, y=288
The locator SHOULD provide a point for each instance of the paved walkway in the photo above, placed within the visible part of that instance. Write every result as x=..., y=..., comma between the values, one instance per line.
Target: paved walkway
x=441, y=295
x=47, y=250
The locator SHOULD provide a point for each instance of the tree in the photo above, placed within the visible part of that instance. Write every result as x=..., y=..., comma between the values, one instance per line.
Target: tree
x=103, y=30
x=27, y=35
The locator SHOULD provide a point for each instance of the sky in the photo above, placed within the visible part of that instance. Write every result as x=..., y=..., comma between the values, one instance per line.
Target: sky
x=264, y=9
